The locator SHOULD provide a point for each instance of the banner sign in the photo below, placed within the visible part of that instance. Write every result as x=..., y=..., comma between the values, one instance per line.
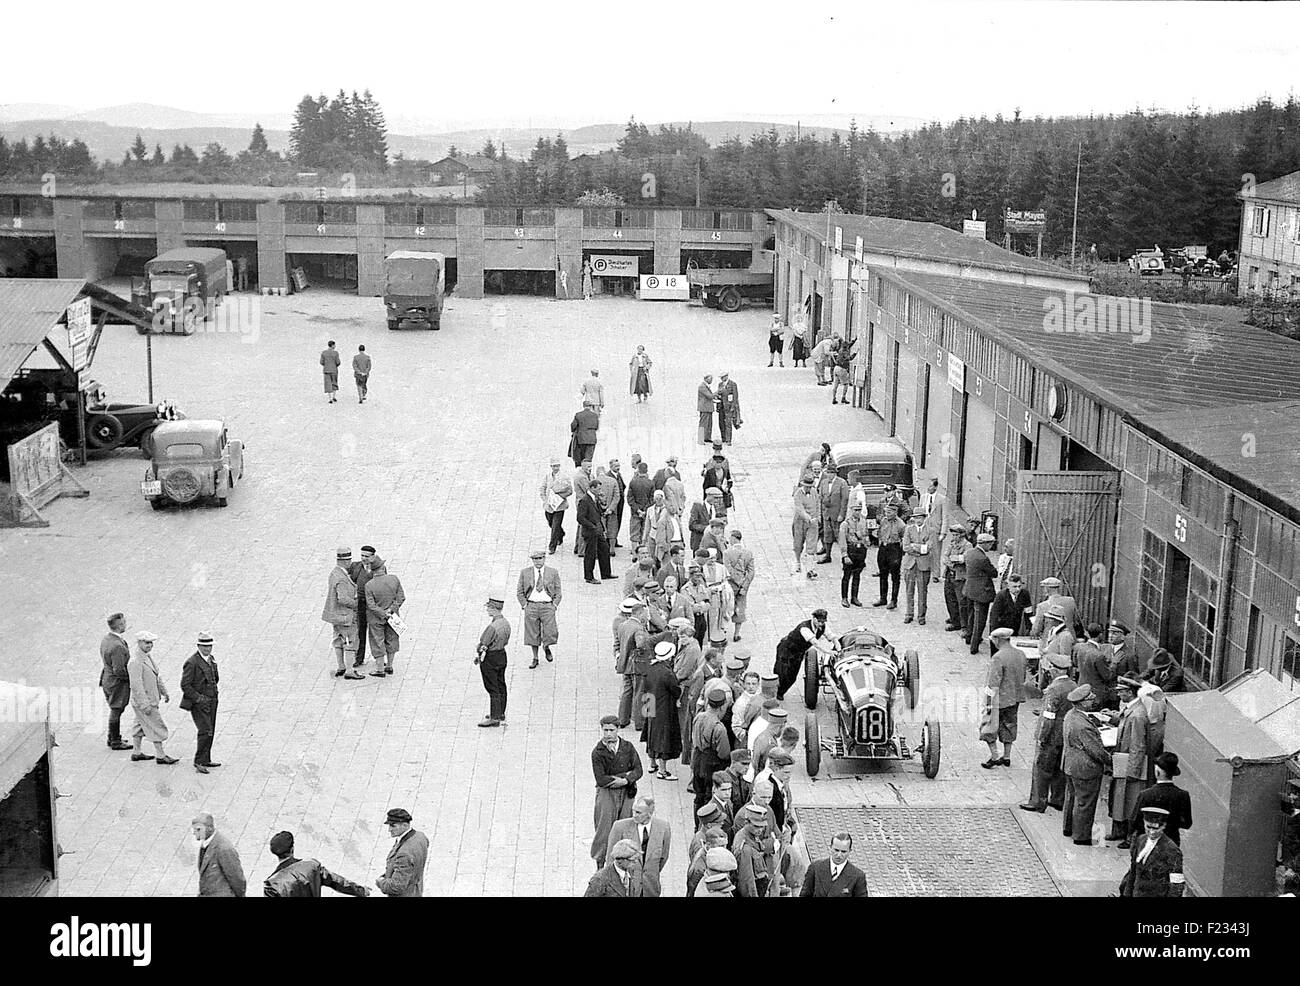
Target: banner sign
x=615, y=266
x=1024, y=222
x=79, y=333
x=665, y=287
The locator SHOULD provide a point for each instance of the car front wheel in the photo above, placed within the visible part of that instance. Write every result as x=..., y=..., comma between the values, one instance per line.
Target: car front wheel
x=812, y=741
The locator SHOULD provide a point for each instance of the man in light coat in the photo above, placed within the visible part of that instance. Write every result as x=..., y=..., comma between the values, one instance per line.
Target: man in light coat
x=1130, y=760
x=706, y=401
x=593, y=392
x=1051, y=586
x=555, y=492
x=739, y=562
x=651, y=835
x=147, y=690
x=220, y=872
x=340, y=612
x=539, y=593
x=1004, y=690
x=917, y=564
x=833, y=494
x=404, y=868
x=384, y=597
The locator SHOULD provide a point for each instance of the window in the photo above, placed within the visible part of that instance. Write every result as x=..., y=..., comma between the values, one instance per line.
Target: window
x=404, y=214
x=202, y=211
x=302, y=212
x=339, y=212
x=1259, y=220
x=136, y=209
x=1254, y=278
x=100, y=209
x=730, y=219
x=1151, y=584
x=617, y=218
x=1022, y=380
x=26, y=206
x=1291, y=656
x=237, y=212
x=1198, y=642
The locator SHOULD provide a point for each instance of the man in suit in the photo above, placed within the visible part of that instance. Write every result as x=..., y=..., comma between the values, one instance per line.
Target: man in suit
x=621, y=878
x=640, y=494
x=539, y=593
x=1164, y=793
x=717, y=472
x=114, y=653
x=916, y=565
x=1059, y=640
x=1009, y=605
x=705, y=402
x=293, y=877
x=147, y=690
x=583, y=428
x=1092, y=660
x=583, y=480
x=1004, y=691
x=936, y=505
x=616, y=766
x=833, y=493
x=1047, y=780
x=220, y=872
x=1069, y=608
x=669, y=469
x=199, y=693
x=1120, y=652
x=1165, y=673
x=702, y=513
x=1130, y=774
x=835, y=876
x=673, y=565
x=384, y=598
x=653, y=838
x=340, y=612
x=404, y=869
x=359, y=572
x=980, y=575
x=1155, y=861
x=739, y=563
x=954, y=577
x=1084, y=759
x=728, y=398
x=614, y=510
x=595, y=544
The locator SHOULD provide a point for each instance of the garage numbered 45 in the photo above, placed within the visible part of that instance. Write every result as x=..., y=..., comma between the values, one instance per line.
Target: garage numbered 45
x=865, y=676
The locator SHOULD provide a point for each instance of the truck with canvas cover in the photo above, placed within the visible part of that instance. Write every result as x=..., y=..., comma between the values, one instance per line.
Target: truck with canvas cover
x=181, y=284
x=414, y=282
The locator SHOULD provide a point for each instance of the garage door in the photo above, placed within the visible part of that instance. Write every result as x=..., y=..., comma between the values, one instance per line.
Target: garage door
x=977, y=457
x=879, y=371
x=519, y=254
x=938, y=424
x=905, y=422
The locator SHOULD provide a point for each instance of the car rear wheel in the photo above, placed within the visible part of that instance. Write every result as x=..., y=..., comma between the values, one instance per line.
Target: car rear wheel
x=103, y=431
x=158, y=503
x=393, y=323
x=930, y=748
x=913, y=661
x=811, y=682
x=435, y=321
x=812, y=744
x=181, y=485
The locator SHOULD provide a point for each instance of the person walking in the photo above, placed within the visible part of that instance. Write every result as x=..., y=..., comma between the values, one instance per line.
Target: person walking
x=583, y=429
x=293, y=877
x=491, y=660
x=1047, y=779
x=728, y=399
x=807, y=519
x=835, y=876
x=1084, y=760
x=539, y=593
x=739, y=563
x=638, y=369
x=384, y=599
x=593, y=392
x=221, y=874
x=404, y=868
x=340, y=612
x=147, y=690
x=916, y=565
x=705, y=403
x=980, y=576
x=889, y=556
x=1004, y=690
x=776, y=340
x=854, y=536
x=651, y=835
x=199, y=697
x=329, y=361
x=361, y=373
x=595, y=544
x=114, y=654
x=555, y=492
x=616, y=766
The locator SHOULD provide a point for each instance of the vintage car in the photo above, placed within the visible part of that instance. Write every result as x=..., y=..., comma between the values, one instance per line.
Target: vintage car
x=865, y=675
x=878, y=464
x=192, y=460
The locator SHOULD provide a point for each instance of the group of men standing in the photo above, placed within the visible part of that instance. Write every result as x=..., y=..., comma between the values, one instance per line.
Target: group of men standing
x=363, y=603
x=724, y=402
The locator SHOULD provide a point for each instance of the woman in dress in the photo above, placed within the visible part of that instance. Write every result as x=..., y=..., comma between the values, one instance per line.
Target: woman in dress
x=639, y=375
x=799, y=345
x=663, y=732
x=586, y=280
x=776, y=340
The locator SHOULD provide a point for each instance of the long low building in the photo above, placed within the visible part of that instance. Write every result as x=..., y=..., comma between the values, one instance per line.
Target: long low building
x=1147, y=453
x=97, y=234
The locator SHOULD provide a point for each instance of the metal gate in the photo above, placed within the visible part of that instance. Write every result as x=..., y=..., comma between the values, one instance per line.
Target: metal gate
x=1066, y=528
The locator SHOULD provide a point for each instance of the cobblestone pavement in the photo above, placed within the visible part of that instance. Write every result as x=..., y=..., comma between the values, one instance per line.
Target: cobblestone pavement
x=439, y=470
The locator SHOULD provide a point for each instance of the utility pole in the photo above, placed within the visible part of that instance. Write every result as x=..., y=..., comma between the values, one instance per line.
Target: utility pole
x=1074, y=234
x=697, y=183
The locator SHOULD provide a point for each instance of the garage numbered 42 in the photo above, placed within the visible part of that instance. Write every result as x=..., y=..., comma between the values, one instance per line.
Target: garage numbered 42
x=865, y=675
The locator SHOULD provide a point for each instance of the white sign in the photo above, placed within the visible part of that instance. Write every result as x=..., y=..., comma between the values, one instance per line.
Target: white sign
x=857, y=250
x=615, y=266
x=977, y=228
x=79, y=333
x=665, y=287
x=956, y=373
x=839, y=239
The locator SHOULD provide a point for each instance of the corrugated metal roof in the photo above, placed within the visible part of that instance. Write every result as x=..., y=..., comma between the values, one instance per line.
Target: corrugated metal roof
x=29, y=309
x=928, y=241
x=1286, y=188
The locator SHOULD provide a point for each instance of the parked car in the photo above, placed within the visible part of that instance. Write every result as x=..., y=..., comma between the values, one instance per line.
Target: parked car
x=1147, y=263
x=878, y=464
x=192, y=460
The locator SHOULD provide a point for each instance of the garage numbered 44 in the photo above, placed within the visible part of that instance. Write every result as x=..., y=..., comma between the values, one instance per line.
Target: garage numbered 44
x=865, y=676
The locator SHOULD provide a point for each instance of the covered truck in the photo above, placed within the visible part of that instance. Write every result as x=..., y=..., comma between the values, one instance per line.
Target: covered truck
x=414, y=282
x=181, y=285
x=729, y=288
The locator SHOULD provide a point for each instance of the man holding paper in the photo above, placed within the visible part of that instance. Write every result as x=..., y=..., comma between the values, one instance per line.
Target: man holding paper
x=917, y=565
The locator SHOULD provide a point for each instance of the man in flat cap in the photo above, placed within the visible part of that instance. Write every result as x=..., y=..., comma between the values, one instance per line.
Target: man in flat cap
x=114, y=653
x=1084, y=761
x=622, y=877
x=755, y=850
x=739, y=563
x=807, y=520
x=199, y=695
x=718, y=875
x=710, y=747
x=555, y=492
x=653, y=838
x=1129, y=774
x=889, y=554
x=340, y=612
x=1004, y=690
x=717, y=474
x=593, y=392
x=1047, y=783
x=1155, y=860
x=539, y=593
x=1120, y=652
x=766, y=741
x=981, y=574
x=147, y=690
x=1164, y=793
x=715, y=537
x=616, y=766
x=954, y=576
x=728, y=407
x=709, y=837
x=404, y=870
x=833, y=497
x=293, y=877
x=583, y=429
x=794, y=646
x=491, y=660
x=1059, y=639
x=916, y=565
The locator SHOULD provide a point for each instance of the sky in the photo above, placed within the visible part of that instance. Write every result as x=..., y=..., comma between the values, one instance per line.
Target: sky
x=511, y=63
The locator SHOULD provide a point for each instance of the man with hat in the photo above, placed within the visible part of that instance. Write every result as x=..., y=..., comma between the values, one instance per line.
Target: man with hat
x=594, y=542
x=981, y=574
x=1155, y=860
x=833, y=497
x=293, y=877
x=199, y=694
x=721, y=602
x=583, y=429
x=702, y=513
x=1004, y=690
x=710, y=747
x=1129, y=760
x=592, y=392
x=622, y=877
x=1165, y=673
x=675, y=495
x=491, y=660
x=1051, y=586
x=766, y=741
x=714, y=540
x=889, y=555
x=1084, y=760
x=1120, y=652
x=916, y=565
x=705, y=403
x=404, y=868
x=633, y=636
x=1058, y=639
x=755, y=850
x=739, y=563
x=340, y=612
x=709, y=836
x=688, y=669
x=539, y=593
x=954, y=576
x=360, y=571
x=728, y=406
x=640, y=494
x=643, y=570
x=854, y=537
x=793, y=647
x=717, y=473
x=660, y=698
x=1164, y=793
x=719, y=871
x=385, y=598
x=616, y=766
x=807, y=514
x=1047, y=780
x=556, y=490
x=667, y=471
x=114, y=653
x=147, y=690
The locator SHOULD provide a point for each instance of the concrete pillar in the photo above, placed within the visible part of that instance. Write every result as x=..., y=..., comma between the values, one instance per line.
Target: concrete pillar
x=838, y=285
x=668, y=241
x=169, y=215
x=370, y=250
x=568, y=249
x=469, y=252
x=272, y=270
x=69, y=240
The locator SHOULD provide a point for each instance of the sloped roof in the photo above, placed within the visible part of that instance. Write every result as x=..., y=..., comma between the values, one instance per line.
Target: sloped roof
x=1286, y=188
x=29, y=309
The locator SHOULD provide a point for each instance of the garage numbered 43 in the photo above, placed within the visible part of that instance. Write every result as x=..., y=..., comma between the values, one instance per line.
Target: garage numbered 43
x=868, y=681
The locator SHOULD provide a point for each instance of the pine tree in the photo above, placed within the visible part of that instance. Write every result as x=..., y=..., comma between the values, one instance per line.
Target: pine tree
x=138, y=149
x=158, y=156
x=305, y=137
x=489, y=150
x=258, y=146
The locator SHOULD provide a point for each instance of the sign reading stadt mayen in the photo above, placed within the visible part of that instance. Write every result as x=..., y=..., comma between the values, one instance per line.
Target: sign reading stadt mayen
x=1024, y=222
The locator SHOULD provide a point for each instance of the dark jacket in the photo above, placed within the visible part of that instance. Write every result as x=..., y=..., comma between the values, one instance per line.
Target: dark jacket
x=607, y=883
x=1159, y=875
x=1172, y=799
x=304, y=878
x=1093, y=663
x=1085, y=757
x=817, y=881
x=1168, y=679
x=584, y=426
x=1007, y=610
x=981, y=573
x=625, y=762
x=114, y=654
x=591, y=518
x=199, y=683
x=640, y=493
x=361, y=575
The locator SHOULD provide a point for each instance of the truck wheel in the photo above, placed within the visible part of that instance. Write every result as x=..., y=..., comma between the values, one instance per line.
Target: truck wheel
x=435, y=321
x=393, y=323
x=103, y=431
x=730, y=300
x=812, y=744
x=913, y=662
x=930, y=748
x=811, y=682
